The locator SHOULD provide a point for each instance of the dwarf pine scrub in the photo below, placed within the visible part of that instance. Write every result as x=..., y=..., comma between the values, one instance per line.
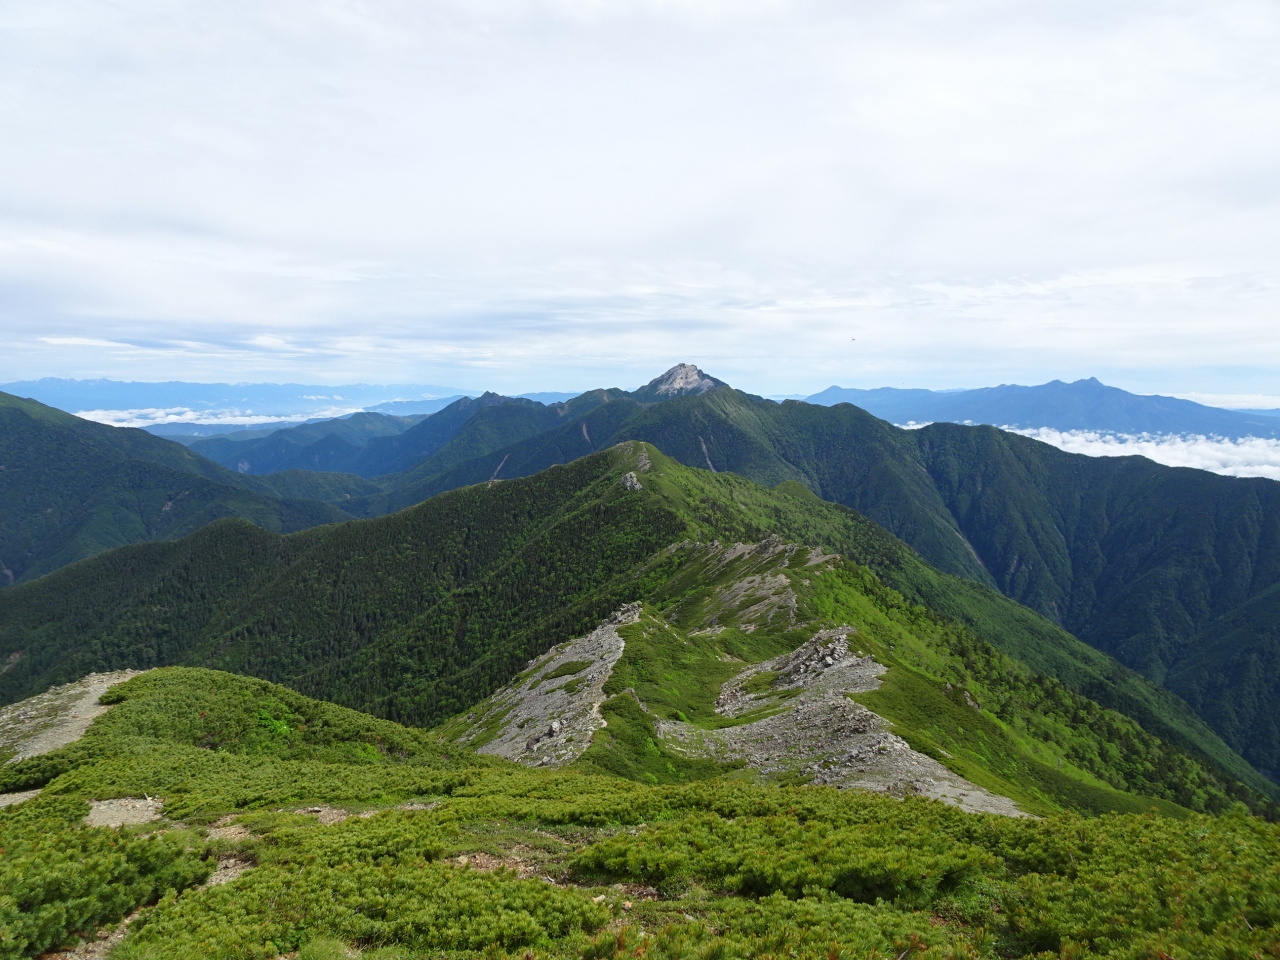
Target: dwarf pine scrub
x=449, y=855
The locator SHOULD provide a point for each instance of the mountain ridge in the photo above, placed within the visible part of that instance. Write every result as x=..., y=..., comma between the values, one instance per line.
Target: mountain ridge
x=417, y=616
x=1086, y=404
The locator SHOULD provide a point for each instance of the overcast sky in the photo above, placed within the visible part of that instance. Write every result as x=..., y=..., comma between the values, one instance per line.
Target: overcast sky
x=558, y=195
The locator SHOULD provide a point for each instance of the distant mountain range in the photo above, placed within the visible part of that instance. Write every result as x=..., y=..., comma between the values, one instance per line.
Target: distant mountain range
x=1082, y=405
x=657, y=644
x=207, y=405
x=1175, y=572
x=71, y=488
x=181, y=410
x=419, y=615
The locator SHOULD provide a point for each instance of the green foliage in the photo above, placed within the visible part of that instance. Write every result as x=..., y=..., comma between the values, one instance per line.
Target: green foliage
x=329, y=445
x=59, y=879
x=567, y=669
x=762, y=682
x=744, y=870
x=1170, y=570
x=758, y=856
x=415, y=616
x=629, y=747
x=403, y=899
x=420, y=615
x=997, y=718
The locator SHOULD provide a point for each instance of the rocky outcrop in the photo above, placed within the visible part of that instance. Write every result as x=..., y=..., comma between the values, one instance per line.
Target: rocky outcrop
x=547, y=717
x=684, y=379
x=810, y=728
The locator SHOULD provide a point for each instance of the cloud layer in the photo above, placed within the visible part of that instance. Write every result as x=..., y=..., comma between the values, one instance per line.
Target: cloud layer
x=553, y=194
x=1249, y=457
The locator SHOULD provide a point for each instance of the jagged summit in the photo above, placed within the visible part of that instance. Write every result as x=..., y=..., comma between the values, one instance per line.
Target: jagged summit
x=683, y=379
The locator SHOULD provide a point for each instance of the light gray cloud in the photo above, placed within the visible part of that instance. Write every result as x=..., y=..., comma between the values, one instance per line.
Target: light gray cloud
x=549, y=194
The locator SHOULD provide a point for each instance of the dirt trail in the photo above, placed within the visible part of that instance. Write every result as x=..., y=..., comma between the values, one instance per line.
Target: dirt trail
x=57, y=717
x=53, y=719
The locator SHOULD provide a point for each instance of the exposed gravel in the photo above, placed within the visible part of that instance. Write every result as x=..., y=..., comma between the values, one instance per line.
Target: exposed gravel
x=820, y=734
x=98, y=948
x=53, y=719
x=228, y=870
x=550, y=722
x=57, y=717
x=122, y=812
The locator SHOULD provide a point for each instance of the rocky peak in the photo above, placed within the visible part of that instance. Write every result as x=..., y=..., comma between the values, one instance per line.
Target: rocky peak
x=684, y=379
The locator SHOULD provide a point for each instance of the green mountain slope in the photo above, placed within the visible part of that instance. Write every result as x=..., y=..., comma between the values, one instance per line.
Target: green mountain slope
x=333, y=834
x=418, y=615
x=505, y=442
x=1165, y=569
x=329, y=445
x=70, y=489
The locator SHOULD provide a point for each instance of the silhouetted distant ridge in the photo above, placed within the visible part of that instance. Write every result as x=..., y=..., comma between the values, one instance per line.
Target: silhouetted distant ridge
x=1082, y=405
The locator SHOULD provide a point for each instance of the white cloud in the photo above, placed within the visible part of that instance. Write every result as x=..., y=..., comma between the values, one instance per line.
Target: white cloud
x=1249, y=457
x=155, y=416
x=577, y=191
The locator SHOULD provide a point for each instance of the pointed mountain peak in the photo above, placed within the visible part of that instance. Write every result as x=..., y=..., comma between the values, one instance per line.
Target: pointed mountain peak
x=684, y=379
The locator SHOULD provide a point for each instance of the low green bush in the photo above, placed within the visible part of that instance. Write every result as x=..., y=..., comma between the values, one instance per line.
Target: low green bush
x=758, y=856
x=60, y=879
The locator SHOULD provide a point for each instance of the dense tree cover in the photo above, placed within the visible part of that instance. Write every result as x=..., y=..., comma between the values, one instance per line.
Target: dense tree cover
x=70, y=489
x=1168, y=570
x=374, y=444
x=326, y=445
x=419, y=615
x=715, y=868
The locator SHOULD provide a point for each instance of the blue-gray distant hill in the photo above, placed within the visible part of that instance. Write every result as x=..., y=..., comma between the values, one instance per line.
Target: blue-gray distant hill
x=1082, y=405
x=233, y=400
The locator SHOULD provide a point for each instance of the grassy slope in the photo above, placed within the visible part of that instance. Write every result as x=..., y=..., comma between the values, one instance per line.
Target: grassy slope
x=1032, y=739
x=740, y=870
x=794, y=513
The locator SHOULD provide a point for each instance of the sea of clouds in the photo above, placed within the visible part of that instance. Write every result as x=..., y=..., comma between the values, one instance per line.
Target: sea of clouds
x=1247, y=457
x=156, y=416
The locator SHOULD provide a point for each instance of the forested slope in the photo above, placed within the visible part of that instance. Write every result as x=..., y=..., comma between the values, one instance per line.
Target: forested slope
x=327, y=445
x=1169, y=570
x=420, y=614
x=70, y=488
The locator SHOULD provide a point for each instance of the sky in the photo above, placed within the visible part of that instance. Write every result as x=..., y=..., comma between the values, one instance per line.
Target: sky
x=562, y=194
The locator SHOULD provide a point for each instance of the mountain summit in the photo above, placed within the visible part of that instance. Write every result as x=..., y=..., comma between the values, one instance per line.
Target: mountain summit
x=684, y=379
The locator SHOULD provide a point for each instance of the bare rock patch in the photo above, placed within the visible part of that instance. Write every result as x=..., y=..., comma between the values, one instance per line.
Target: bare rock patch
x=57, y=717
x=819, y=733
x=549, y=715
x=123, y=812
